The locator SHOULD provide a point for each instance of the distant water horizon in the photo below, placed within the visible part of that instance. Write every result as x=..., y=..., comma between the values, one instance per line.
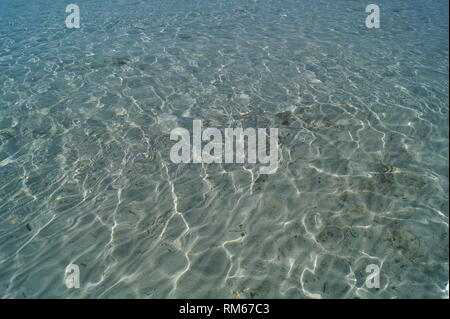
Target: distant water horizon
x=86, y=175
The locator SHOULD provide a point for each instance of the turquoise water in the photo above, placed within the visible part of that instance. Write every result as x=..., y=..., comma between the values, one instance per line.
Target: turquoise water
x=86, y=177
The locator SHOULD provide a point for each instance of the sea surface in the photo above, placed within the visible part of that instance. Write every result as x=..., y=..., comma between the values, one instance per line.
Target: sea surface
x=85, y=170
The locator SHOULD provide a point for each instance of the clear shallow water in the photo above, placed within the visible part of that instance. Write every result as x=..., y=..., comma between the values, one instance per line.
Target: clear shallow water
x=86, y=178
